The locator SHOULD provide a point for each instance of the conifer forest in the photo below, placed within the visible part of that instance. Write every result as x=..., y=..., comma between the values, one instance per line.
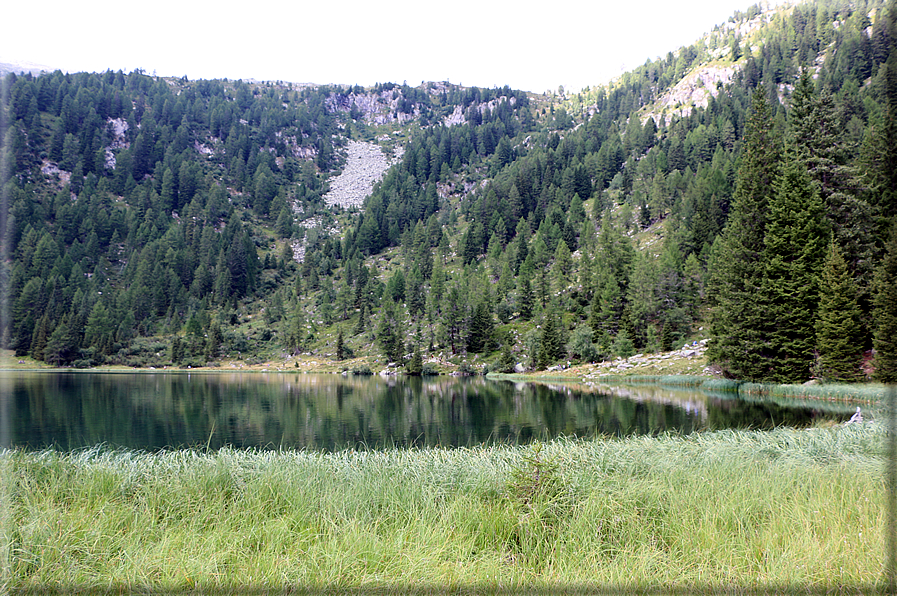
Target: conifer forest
x=167, y=222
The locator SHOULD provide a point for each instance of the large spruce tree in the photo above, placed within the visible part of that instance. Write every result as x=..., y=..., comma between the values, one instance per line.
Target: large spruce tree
x=737, y=318
x=480, y=329
x=817, y=136
x=839, y=328
x=795, y=240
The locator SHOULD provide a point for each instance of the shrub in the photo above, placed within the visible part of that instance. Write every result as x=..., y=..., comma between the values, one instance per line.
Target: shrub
x=467, y=370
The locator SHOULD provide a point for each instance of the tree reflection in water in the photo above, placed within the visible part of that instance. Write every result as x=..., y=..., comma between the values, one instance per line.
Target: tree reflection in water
x=330, y=412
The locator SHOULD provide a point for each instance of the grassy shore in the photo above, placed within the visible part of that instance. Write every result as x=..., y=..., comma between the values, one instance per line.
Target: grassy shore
x=709, y=511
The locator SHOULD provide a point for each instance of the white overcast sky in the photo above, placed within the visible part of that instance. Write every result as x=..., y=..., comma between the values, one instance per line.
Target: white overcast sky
x=534, y=46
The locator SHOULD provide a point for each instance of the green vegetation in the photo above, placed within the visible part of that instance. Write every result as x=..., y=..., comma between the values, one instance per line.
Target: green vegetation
x=886, y=313
x=839, y=326
x=703, y=512
x=869, y=393
x=167, y=222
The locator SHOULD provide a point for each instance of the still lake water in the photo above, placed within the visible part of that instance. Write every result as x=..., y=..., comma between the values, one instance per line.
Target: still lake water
x=151, y=411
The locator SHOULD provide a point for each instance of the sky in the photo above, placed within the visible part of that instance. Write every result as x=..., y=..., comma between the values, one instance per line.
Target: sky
x=526, y=45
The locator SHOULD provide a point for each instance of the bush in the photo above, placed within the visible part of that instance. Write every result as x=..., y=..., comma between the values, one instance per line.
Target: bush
x=467, y=370
x=192, y=363
x=543, y=504
x=142, y=352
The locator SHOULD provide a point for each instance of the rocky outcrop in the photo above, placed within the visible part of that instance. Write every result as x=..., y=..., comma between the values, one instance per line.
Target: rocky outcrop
x=457, y=115
x=375, y=108
x=694, y=90
x=119, y=128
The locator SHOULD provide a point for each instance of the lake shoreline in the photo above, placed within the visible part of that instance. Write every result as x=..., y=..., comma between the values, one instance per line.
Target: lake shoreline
x=587, y=375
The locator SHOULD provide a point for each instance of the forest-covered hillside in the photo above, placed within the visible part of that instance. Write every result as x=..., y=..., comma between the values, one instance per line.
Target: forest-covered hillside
x=741, y=188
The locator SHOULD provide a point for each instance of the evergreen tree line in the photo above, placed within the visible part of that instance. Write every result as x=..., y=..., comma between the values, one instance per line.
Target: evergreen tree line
x=523, y=235
x=139, y=206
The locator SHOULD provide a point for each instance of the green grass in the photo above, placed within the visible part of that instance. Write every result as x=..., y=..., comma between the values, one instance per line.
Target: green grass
x=668, y=380
x=706, y=511
x=857, y=393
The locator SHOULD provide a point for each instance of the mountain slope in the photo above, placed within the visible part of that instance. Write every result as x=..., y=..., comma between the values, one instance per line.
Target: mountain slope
x=164, y=221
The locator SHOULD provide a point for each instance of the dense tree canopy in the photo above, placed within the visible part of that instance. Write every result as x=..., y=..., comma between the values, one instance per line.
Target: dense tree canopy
x=156, y=220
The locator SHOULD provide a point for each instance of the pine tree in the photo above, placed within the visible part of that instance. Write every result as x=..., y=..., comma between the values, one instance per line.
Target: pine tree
x=839, y=327
x=562, y=266
x=607, y=305
x=885, y=313
x=415, y=366
x=622, y=346
x=880, y=146
x=796, y=235
x=40, y=336
x=454, y=314
x=177, y=350
x=737, y=319
x=551, y=344
x=388, y=335
x=340, y=345
x=414, y=293
x=526, y=299
x=213, y=343
x=816, y=135
x=62, y=345
x=296, y=331
x=506, y=362
x=361, y=324
x=644, y=303
x=543, y=287
x=480, y=329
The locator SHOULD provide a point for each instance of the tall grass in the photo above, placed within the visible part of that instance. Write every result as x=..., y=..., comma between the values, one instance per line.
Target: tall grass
x=706, y=511
x=670, y=380
x=863, y=393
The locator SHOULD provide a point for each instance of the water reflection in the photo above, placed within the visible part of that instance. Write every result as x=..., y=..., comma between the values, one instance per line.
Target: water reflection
x=329, y=412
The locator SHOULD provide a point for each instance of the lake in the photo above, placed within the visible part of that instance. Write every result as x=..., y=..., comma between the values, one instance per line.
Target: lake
x=151, y=411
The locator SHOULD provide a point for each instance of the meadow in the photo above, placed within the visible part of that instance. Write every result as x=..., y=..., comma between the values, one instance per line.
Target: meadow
x=779, y=510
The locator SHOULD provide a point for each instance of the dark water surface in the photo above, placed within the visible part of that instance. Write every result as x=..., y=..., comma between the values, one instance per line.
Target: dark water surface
x=150, y=411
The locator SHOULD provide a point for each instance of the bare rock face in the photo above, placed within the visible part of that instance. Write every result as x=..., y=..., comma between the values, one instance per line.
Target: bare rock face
x=374, y=108
x=365, y=166
x=456, y=117
x=696, y=89
x=119, y=128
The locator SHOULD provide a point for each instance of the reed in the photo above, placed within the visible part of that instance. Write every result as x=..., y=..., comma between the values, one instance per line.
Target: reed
x=701, y=512
x=869, y=393
x=668, y=380
x=720, y=386
x=857, y=393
